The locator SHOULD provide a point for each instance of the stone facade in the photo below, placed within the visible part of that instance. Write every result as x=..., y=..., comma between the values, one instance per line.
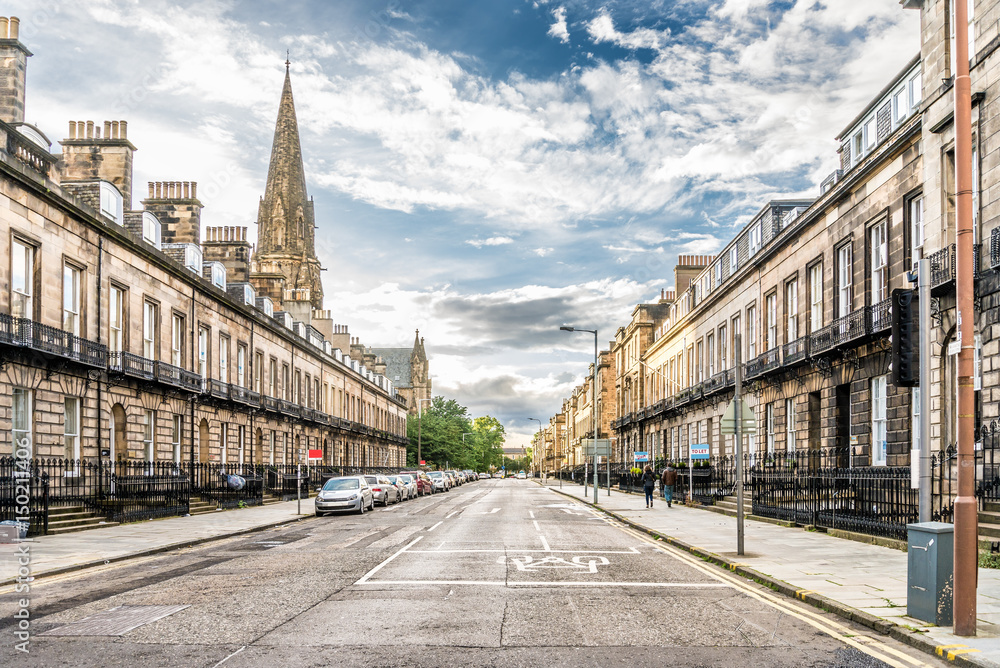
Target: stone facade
x=114, y=345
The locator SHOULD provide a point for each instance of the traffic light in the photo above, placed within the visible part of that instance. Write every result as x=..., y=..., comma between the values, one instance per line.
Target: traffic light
x=905, y=338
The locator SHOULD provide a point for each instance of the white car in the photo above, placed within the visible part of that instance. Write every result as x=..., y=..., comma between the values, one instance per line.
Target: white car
x=350, y=493
x=521, y=475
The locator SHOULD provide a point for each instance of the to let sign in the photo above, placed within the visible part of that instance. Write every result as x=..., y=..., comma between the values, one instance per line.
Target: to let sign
x=699, y=452
x=642, y=456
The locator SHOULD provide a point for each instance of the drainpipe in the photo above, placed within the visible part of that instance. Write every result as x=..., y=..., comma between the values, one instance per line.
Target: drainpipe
x=966, y=520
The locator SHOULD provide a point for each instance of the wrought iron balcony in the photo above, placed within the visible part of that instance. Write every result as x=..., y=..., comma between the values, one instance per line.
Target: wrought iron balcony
x=880, y=316
x=715, y=383
x=132, y=365
x=239, y=394
x=269, y=403
x=26, y=333
x=218, y=389
x=177, y=377
x=795, y=351
x=942, y=266
x=763, y=363
x=288, y=408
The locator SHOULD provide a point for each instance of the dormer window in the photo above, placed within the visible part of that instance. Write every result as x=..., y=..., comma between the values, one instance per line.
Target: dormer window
x=219, y=275
x=192, y=257
x=754, y=239
x=111, y=202
x=150, y=229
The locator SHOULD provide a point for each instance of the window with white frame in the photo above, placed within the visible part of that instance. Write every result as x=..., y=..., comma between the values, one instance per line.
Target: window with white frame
x=150, y=321
x=223, y=358
x=771, y=324
x=737, y=336
x=733, y=260
x=22, y=280
x=723, y=349
x=754, y=239
x=769, y=425
x=258, y=372
x=241, y=444
x=879, y=247
x=116, y=319
x=879, y=423
x=203, y=335
x=915, y=210
x=22, y=417
x=871, y=135
x=241, y=361
x=751, y=333
x=149, y=435
x=845, y=280
x=815, y=297
x=710, y=351
x=790, y=425
x=150, y=229
x=177, y=428
x=71, y=427
x=791, y=310
x=177, y=339
x=71, y=299
x=270, y=448
x=272, y=377
x=112, y=202
x=224, y=442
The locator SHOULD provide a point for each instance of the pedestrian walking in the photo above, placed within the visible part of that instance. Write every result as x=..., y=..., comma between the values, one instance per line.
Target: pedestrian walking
x=667, y=481
x=648, y=485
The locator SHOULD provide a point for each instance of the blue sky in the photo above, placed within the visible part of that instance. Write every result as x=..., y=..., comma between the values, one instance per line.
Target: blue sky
x=486, y=171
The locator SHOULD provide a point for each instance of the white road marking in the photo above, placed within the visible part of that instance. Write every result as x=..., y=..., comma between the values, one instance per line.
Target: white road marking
x=531, y=514
x=535, y=522
x=535, y=583
x=436, y=526
x=230, y=656
x=545, y=544
x=495, y=510
x=449, y=516
x=631, y=550
x=364, y=578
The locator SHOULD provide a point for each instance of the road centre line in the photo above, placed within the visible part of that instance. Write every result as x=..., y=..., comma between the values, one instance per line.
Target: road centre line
x=545, y=544
x=557, y=583
x=449, y=516
x=436, y=526
x=531, y=514
x=364, y=578
x=833, y=629
x=535, y=522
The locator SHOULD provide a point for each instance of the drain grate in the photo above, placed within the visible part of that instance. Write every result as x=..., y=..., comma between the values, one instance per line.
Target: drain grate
x=116, y=621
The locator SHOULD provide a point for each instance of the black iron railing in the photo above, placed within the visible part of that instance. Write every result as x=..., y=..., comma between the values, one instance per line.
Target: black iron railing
x=227, y=485
x=795, y=351
x=43, y=338
x=21, y=482
x=942, y=266
x=218, y=389
x=175, y=376
x=880, y=316
x=132, y=365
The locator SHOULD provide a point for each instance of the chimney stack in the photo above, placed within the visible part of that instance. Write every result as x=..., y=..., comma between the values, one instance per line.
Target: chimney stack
x=13, y=71
x=178, y=211
x=86, y=156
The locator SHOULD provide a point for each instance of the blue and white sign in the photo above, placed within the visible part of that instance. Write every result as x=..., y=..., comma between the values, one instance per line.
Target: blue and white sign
x=699, y=451
x=642, y=456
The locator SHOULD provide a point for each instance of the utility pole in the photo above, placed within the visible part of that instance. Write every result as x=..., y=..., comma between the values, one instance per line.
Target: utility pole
x=738, y=405
x=966, y=520
x=420, y=426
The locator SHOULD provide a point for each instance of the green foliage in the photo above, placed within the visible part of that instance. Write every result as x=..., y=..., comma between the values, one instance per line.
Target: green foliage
x=989, y=560
x=440, y=432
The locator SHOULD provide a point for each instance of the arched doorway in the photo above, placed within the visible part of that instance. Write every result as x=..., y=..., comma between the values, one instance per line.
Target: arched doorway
x=203, y=441
x=119, y=440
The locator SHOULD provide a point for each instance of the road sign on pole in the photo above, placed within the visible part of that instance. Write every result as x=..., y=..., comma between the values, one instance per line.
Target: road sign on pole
x=728, y=424
x=603, y=447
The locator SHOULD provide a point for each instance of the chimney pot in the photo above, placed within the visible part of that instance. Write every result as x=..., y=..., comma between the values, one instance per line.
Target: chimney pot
x=72, y=124
x=123, y=127
x=90, y=129
x=3, y=27
x=194, y=190
x=14, y=27
x=151, y=188
x=114, y=129
x=187, y=189
x=107, y=129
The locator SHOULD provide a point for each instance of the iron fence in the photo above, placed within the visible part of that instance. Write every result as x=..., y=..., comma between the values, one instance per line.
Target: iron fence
x=227, y=485
x=21, y=488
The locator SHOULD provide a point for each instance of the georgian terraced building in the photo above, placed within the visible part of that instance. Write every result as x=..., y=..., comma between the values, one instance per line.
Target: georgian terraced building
x=128, y=332
x=804, y=289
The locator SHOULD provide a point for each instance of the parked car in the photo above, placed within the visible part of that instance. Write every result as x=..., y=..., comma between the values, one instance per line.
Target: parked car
x=382, y=489
x=350, y=493
x=521, y=475
x=456, y=480
x=424, y=484
x=452, y=481
x=498, y=474
x=470, y=475
x=406, y=484
x=484, y=476
x=440, y=481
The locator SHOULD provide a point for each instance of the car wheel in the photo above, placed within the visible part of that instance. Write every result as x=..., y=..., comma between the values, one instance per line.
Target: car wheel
x=319, y=514
x=361, y=506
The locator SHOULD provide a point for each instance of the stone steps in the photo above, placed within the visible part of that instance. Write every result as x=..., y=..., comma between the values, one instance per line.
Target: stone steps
x=75, y=518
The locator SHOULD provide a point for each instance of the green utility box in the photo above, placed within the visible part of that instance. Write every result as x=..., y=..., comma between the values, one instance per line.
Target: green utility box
x=930, y=571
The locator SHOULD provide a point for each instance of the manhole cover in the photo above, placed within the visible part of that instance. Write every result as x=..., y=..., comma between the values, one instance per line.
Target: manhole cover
x=116, y=621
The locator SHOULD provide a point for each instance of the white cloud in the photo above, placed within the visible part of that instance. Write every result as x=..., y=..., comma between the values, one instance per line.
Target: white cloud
x=559, y=29
x=492, y=241
x=602, y=29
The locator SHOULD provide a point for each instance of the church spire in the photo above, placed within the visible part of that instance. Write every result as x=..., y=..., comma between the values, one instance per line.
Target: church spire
x=285, y=233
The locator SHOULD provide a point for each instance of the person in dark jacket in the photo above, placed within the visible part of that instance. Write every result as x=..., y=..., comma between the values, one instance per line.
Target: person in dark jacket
x=667, y=481
x=648, y=485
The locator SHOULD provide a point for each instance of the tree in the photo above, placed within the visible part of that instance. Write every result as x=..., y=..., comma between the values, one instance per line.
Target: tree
x=489, y=439
x=440, y=428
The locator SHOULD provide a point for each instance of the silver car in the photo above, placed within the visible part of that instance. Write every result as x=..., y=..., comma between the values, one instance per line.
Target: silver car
x=439, y=480
x=350, y=493
x=383, y=490
x=408, y=483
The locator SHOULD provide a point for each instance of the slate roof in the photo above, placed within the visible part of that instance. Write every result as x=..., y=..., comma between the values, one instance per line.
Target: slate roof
x=397, y=364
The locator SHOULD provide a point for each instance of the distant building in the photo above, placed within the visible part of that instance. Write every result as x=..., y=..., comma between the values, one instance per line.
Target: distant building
x=409, y=371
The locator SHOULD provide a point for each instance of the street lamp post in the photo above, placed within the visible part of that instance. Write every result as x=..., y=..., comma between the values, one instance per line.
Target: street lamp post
x=593, y=402
x=420, y=425
x=536, y=447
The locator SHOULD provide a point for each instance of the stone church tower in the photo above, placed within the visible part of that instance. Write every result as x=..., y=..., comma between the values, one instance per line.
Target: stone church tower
x=409, y=370
x=285, y=267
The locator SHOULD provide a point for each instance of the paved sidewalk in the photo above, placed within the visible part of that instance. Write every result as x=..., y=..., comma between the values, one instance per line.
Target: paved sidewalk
x=71, y=551
x=860, y=581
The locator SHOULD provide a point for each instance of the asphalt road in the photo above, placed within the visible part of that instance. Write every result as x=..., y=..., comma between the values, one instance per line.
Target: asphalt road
x=494, y=573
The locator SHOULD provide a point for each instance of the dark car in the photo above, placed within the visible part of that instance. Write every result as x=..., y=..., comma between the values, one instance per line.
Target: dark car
x=424, y=485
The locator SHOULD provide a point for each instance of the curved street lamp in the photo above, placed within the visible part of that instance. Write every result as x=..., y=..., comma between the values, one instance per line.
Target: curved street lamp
x=593, y=403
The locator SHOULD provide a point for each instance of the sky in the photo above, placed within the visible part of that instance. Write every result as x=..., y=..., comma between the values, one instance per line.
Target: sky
x=484, y=172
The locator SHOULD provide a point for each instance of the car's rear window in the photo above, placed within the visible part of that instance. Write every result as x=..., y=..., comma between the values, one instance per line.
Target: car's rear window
x=339, y=484
x=372, y=480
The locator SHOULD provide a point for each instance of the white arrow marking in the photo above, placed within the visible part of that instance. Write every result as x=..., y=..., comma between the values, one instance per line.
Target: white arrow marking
x=495, y=510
